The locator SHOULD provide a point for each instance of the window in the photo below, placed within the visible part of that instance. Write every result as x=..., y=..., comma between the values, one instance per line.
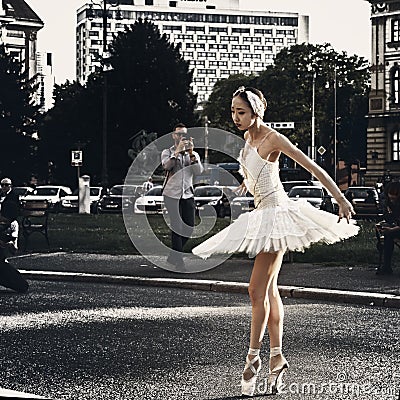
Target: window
x=195, y=29
x=149, y=2
x=218, y=29
x=241, y=30
x=396, y=146
x=252, y=39
x=172, y=28
x=395, y=84
x=263, y=31
x=396, y=30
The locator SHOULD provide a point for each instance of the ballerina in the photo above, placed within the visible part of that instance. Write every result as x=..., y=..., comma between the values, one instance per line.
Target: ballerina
x=276, y=225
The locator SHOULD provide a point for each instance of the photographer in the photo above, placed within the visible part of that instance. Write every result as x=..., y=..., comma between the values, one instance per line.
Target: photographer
x=180, y=163
x=390, y=229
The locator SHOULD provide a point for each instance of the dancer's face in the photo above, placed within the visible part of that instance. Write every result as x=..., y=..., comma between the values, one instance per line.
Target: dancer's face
x=242, y=114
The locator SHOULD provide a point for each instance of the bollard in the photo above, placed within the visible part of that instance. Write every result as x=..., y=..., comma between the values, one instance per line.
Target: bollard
x=84, y=194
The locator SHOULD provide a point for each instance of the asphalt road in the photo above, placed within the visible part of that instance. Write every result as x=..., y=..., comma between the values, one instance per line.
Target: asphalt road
x=86, y=341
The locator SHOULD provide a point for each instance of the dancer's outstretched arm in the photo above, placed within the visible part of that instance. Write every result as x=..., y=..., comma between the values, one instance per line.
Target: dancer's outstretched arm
x=281, y=143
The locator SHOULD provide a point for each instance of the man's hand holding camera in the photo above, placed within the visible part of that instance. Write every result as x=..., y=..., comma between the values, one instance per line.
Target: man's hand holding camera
x=186, y=145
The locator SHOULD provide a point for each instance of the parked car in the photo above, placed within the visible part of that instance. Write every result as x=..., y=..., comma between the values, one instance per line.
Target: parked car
x=118, y=198
x=219, y=197
x=22, y=191
x=287, y=185
x=151, y=202
x=70, y=203
x=365, y=201
x=51, y=193
x=242, y=204
x=317, y=196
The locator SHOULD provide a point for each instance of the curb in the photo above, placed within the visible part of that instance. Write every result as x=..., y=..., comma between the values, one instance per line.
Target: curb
x=296, y=292
x=12, y=394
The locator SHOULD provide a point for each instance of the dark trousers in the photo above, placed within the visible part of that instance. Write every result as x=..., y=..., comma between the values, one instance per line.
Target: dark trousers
x=181, y=214
x=11, y=277
x=388, y=247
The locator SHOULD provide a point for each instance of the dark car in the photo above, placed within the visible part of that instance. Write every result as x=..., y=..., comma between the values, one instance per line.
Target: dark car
x=118, y=198
x=365, y=200
x=219, y=197
x=242, y=204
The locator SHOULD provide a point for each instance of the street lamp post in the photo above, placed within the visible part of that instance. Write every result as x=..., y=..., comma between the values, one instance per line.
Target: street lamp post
x=313, y=117
x=104, y=14
x=335, y=125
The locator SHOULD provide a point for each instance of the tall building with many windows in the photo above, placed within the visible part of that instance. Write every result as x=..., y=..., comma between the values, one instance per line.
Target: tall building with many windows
x=218, y=37
x=383, y=134
x=45, y=80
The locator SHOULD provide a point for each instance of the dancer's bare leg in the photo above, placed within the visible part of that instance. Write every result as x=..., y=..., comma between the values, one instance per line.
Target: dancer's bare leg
x=266, y=268
x=275, y=322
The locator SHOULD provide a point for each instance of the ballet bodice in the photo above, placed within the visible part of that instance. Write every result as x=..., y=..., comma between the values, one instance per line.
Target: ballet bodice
x=261, y=178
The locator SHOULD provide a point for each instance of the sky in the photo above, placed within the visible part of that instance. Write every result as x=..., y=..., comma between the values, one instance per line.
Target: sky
x=345, y=24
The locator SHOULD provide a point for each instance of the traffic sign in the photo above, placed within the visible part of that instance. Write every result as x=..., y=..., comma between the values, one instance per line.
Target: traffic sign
x=321, y=150
x=76, y=158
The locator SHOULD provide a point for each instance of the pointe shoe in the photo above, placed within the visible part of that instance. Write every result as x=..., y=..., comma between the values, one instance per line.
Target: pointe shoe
x=249, y=386
x=275, y=378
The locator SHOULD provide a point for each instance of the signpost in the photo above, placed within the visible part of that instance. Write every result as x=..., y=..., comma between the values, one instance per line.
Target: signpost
x=77, y=160
x=280, y=125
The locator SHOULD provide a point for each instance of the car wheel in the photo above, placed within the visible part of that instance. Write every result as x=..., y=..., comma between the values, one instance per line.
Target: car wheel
x=221, y=212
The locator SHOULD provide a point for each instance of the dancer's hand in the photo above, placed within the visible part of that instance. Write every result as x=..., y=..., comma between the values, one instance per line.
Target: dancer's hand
x=345, y=209
x=240, y=190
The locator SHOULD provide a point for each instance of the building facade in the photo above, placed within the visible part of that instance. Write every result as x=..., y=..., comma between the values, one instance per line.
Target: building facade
x=383, y=135
x=19, y=25
x=218, y=38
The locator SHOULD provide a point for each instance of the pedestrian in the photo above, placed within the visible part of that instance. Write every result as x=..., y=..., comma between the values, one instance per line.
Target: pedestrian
x=9, y=201
x=148, y=185
x=276, y=225
x=181, y=163
x=390, y=229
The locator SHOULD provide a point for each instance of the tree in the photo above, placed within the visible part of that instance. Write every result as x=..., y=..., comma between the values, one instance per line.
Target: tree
x=148, y=87
x=18, y=119
x=287, y=86
x=73, y=123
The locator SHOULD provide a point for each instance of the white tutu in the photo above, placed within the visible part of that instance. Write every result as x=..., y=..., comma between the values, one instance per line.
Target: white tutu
x=277, y=223
x=293, y=227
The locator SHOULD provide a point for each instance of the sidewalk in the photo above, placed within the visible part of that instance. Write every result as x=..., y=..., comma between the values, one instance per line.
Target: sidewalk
x=357, y=284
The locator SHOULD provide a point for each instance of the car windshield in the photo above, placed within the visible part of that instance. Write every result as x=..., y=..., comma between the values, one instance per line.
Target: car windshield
x=207, y=192
x=19, y=191
x=361, y=193
x=46, y=192
x=305, y=192
x=157, y=191
x=288, y=185
x=116, y=190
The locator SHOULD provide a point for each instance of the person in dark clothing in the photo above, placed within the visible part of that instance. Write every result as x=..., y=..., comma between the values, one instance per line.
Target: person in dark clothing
x=391, y=228
x=9, y=202
x=9, y=276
